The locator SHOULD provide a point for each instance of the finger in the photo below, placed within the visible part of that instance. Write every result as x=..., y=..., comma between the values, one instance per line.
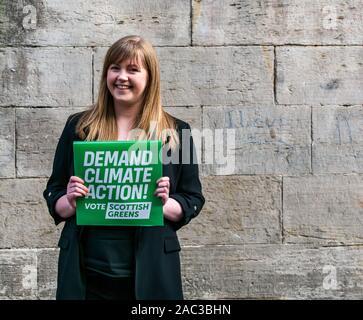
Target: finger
x=78, y=190
x=76, y=184
x=74, y=195
x=163, y=196
x=161, y=190
x=76, y=179
x=162, y=179
x=79, y=185
x=163, y=184
x=159, y=193
x=164, y=199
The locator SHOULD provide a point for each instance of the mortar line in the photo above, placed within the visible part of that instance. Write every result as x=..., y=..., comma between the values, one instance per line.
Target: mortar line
x=36, y=276
x=202, y=152
x=188, y=45
x=275, y=76
x=311, y=138
x=282, y=212
x=27, y=177
x=191, y=23
x=15, y=145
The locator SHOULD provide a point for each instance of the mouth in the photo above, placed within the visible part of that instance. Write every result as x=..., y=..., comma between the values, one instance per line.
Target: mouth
x=122, y=86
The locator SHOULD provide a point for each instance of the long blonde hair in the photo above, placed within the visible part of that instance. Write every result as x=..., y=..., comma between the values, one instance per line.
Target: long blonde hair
x=99, y=122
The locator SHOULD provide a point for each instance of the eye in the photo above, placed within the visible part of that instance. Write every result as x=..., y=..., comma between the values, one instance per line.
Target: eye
x=114, y=67
x=134, y=68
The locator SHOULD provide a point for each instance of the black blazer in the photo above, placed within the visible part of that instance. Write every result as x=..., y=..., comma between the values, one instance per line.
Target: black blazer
x=157, y=274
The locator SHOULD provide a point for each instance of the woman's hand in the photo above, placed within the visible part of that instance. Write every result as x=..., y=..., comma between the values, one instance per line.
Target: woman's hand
x=171, y=208
x=75, y=189
x=66, y=205
x=162, y=189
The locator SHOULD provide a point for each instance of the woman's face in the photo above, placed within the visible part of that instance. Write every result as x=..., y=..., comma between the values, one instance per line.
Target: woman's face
x=126, y=82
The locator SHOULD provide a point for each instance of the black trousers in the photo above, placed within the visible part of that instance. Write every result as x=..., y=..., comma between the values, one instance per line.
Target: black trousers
x=101, y=287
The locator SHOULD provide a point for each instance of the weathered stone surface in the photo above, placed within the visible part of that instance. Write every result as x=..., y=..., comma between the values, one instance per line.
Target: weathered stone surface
x=277, y=22
x=45, y=76
x=74, y=23
x=211, y=76
x=18, y=274
x=319, y=75
x=217, y=272
x=28, y=274
x=38, y=132
x=191, y=115
x=338, y=139
x=98, y=60
x=238, y=210
x=268, y=140
x=47, y=273
x=7, y=143
x=24, y=218
x=284, y=76
x=325, y=210
x=272, y=272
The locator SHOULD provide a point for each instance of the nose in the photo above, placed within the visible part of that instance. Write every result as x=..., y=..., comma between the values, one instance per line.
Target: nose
x=122, y=75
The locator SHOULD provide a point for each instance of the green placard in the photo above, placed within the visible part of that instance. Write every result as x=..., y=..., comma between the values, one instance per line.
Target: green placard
x=121, y=178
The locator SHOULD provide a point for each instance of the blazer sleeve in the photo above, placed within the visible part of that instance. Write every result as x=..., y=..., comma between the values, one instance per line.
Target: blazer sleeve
x=189, y=189
x=62, y=164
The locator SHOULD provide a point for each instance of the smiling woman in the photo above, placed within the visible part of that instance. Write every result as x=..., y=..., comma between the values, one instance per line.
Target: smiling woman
x=124, y=262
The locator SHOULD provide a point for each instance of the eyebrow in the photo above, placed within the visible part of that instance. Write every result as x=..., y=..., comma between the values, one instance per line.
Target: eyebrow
x=130, y=64
x=134, y=65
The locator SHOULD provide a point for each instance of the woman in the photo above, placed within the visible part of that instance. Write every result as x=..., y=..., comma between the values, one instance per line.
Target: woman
x=124, y=262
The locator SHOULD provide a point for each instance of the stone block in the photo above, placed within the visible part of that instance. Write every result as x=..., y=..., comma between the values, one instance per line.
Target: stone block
x=337, y=139
x=323, y=210
x=238, y=210
x=257, y=140
x=93, y=23
x=47, y=268
x=319, y=75
x=191, y=115
x=38, y=132
x=276, y=22
x=24, y=218
x=46, y=76
x=18, y=274
x=272, y=272
x=197, y=76
x=7, y=143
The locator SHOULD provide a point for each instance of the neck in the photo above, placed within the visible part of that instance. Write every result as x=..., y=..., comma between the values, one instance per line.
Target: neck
x=127, y=113
x=125, y=119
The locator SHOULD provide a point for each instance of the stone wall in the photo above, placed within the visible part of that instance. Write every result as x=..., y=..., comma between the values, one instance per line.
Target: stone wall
x=285, y=220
